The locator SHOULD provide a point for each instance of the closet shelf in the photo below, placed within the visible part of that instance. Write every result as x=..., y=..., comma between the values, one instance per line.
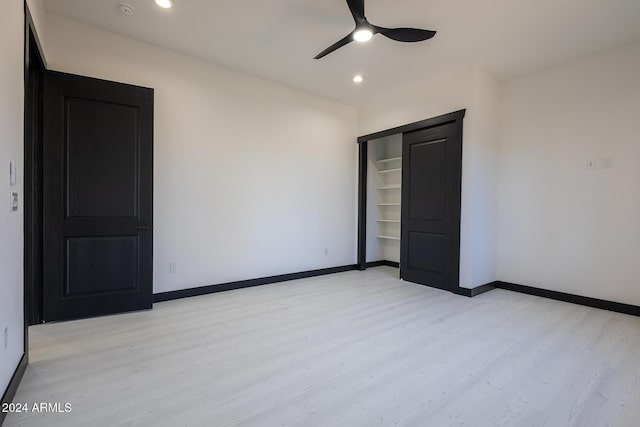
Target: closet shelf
x=389, y=187
x=388, y=204
x=388, y=237
x=390, y=170
x=389, y=220
x=393, y=159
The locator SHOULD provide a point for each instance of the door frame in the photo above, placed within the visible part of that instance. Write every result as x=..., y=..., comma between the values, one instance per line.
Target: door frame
x=35, y=67
x=32, y=49
x=453, y=117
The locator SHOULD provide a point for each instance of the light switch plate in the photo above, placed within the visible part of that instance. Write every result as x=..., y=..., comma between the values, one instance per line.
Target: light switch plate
x=14, y=202
x=12, y=172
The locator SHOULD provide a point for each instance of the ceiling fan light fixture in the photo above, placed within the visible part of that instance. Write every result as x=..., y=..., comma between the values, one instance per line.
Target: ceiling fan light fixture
x=363, y=34
x=365, y=30
x=165, y=4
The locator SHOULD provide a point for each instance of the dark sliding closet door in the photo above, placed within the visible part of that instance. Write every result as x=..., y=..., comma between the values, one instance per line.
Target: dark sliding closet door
x=431, y=184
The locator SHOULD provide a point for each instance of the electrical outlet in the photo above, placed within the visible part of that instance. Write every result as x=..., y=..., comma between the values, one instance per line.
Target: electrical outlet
x=5, y=339
x=590, y=165
x=14, y=202
x=172, y=267
x=607, y=163
x=326, y=251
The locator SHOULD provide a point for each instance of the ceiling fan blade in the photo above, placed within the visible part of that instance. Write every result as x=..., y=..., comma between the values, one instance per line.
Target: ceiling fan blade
x=348, y=39
x=405, y=34
x=357, y=9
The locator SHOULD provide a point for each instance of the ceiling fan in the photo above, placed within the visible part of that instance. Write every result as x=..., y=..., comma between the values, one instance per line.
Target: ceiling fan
x=364, y=31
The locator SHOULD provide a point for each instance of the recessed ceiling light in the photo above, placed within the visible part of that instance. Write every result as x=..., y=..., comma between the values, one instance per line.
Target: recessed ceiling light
x=363, y=35
x=165, y=4
x=358, y=78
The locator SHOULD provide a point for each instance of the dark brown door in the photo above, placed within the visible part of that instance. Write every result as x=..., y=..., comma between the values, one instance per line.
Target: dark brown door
x=431, y=179
x=97, y=197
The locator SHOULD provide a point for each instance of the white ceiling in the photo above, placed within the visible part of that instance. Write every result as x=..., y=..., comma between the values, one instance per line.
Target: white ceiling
x=277, y=39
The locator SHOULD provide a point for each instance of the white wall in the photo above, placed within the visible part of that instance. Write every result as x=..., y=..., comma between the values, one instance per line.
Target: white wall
x=11, y=148
x=476, y=91
x=562, y=227
x=480, y=190
x=252, y=179
x=449, y=92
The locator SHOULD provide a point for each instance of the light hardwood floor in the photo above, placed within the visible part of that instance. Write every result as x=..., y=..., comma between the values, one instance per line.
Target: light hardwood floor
x=351, y=349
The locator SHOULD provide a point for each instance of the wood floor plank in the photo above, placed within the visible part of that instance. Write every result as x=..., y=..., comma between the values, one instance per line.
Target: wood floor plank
x=350, y=349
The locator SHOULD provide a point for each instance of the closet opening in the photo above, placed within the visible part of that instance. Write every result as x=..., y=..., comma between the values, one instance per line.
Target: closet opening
x=409, y=200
